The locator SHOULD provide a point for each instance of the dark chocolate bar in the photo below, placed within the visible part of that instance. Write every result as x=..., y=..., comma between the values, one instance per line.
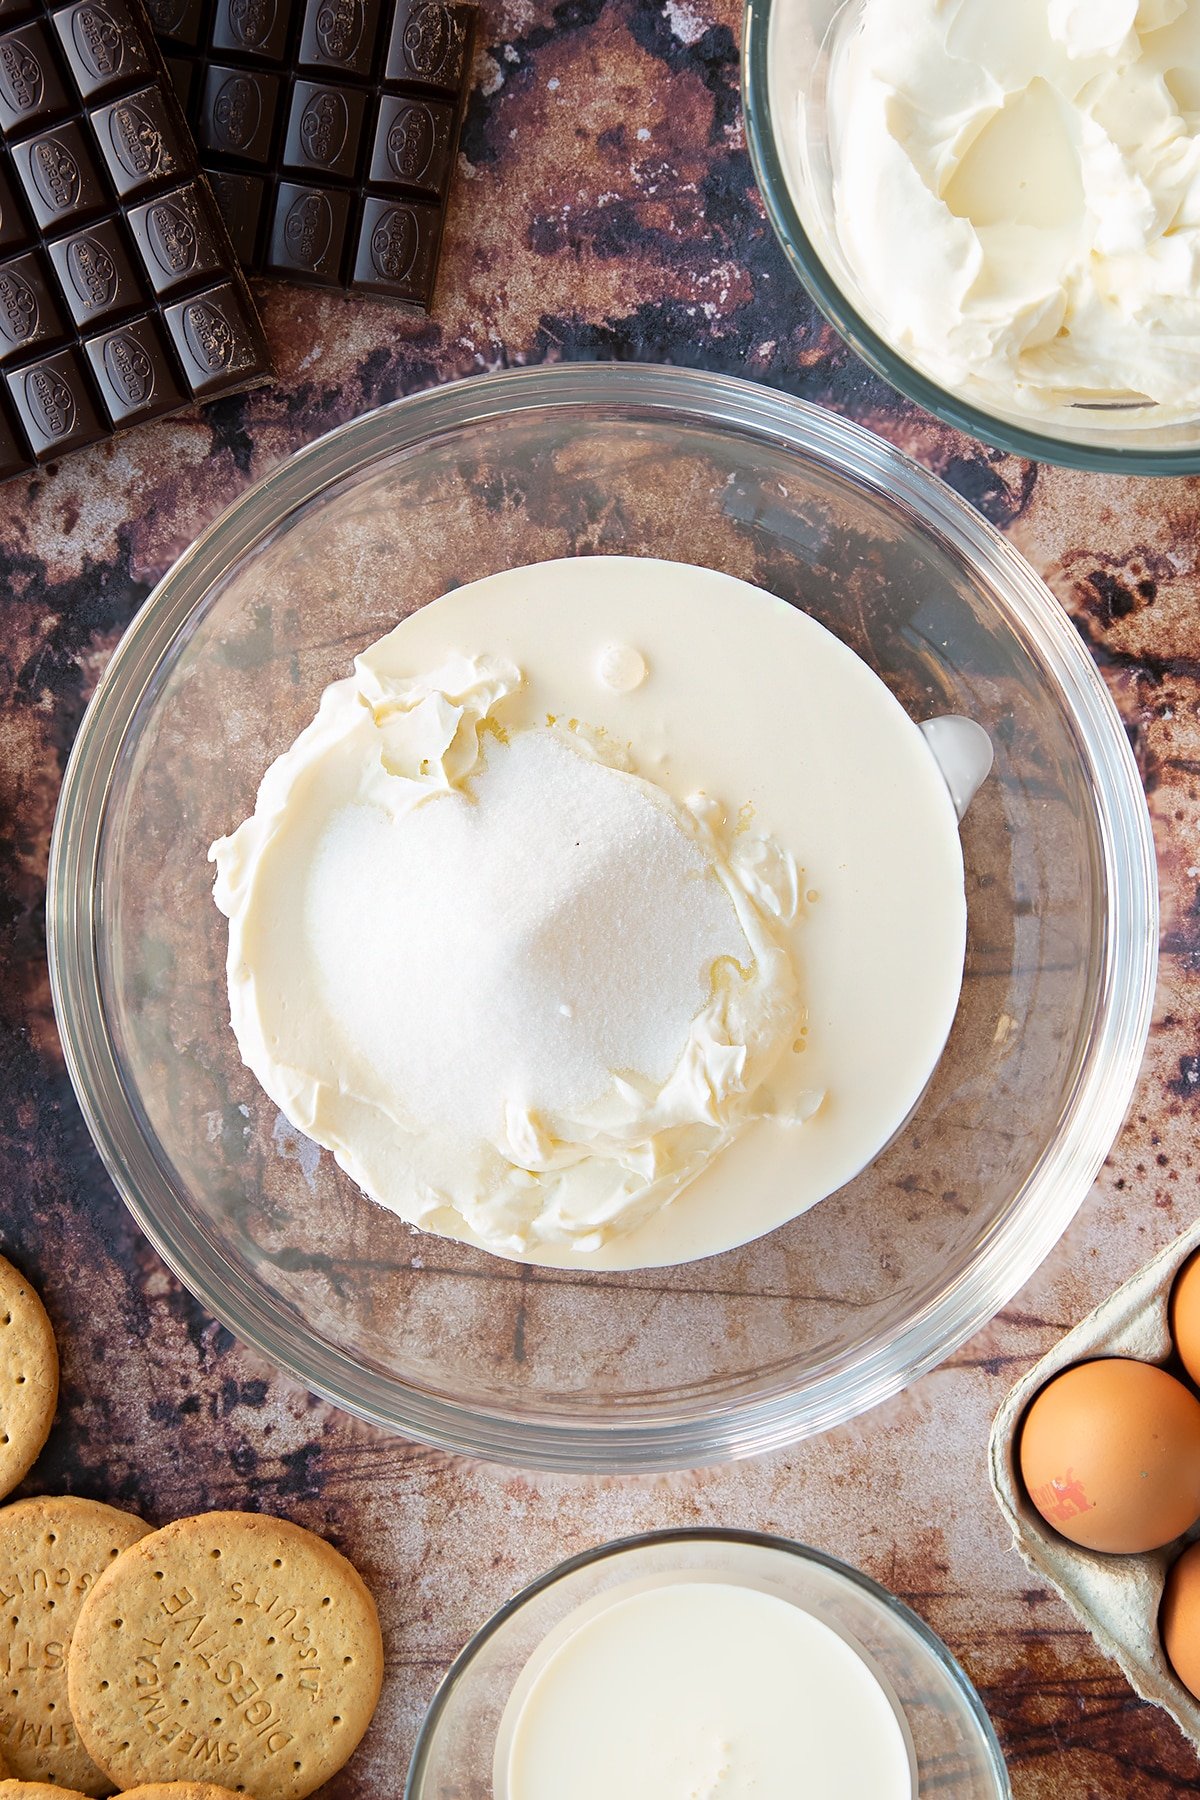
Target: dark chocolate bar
x=120, y=294
x=329, y=130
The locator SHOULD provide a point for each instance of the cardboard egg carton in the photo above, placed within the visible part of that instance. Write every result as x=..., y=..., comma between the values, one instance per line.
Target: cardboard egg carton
x=1117, y=1597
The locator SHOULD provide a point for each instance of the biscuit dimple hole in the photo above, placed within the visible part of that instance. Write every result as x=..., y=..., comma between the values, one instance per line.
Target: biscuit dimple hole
x=103, y=1687
x=125, y=1745
x=327, y=1601
x=184, y=1701
x=297, y=1767
x=214, y=1554
x=218, y=1721
x=8, y=1318
x=337, y=1718
x=158, y=1574
x=346, y=1661
x=117, y=1624
x=279, y=1677
x=20, y=1381
x=270, y=1640
x=49, y=1706
x=4, y=1439
x=278, y=1563
x=176, y=1665
x=239, y=1621
x=52, y=1537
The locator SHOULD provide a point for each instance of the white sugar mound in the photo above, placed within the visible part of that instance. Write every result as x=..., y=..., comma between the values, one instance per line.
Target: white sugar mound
x=522, y=942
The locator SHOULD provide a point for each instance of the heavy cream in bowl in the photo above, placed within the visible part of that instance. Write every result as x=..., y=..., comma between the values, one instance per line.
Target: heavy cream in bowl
x=610, y=914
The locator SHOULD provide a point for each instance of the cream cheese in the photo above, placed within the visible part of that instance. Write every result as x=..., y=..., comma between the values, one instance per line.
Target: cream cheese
x=1017, y=192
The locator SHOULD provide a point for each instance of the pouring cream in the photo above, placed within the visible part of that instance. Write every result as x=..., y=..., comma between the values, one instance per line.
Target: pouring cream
x=696, y=1689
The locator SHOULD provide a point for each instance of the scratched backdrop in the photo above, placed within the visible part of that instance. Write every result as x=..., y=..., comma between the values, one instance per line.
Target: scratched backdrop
x=605, y=209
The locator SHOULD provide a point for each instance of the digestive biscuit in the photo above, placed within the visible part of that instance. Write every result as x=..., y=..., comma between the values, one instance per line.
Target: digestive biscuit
x=232, y=1646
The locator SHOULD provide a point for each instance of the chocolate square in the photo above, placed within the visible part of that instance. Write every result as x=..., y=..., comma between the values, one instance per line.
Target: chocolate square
x=251, y=27
x=241, y=200
x=324, y=129
x=340, y=34
x=96, y=275
x=134, y=372
x=32, y=90
x=397, y=250
x=29, y=315
x=237, y=116
x=308, y=232
x=428, y=45
x=59, y=176
x=143, y=143
x=179, y=21
x=414, y=142
x=185, y=77
x=103, y=45
x=216, y=339
x=177, y=238
x=54, y=402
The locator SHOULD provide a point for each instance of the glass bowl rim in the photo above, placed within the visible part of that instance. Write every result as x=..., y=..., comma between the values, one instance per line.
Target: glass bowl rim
x=1007, y=1253
x=704, y=1534
x=808, y=264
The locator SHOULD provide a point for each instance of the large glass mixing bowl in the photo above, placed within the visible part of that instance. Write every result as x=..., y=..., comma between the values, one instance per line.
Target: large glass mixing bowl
x=666, y=1367
x=792, y=126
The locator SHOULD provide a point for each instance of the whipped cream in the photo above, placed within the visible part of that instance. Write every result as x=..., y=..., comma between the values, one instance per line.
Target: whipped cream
x=518, y=990
x=1017, y=192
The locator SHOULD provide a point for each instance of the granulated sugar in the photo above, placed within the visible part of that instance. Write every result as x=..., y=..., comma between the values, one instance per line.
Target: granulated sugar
x=519, y=943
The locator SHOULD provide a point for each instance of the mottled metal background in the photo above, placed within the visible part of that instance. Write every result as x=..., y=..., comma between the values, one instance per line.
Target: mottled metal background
x=606, y=209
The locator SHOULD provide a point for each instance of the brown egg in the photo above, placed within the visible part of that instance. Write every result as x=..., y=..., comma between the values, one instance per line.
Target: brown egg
x=1185, y=1316
x=1179, y=1620
x=1110, y=1455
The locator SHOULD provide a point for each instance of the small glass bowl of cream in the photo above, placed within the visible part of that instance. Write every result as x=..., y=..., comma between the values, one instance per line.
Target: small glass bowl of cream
x=994, y=207
x=706, y=1662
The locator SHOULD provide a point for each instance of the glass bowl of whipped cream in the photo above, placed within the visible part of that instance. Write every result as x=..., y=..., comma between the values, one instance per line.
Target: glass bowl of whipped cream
x=536, y=943
x=997, y=206
x=695, y=1661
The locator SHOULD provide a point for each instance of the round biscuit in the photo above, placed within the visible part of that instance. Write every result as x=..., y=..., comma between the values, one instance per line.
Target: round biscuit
x=234, y=1647
x=51, y=1552
x=28, y=1377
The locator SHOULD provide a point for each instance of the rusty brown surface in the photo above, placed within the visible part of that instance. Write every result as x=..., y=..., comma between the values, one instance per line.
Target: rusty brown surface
x=606, y=209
